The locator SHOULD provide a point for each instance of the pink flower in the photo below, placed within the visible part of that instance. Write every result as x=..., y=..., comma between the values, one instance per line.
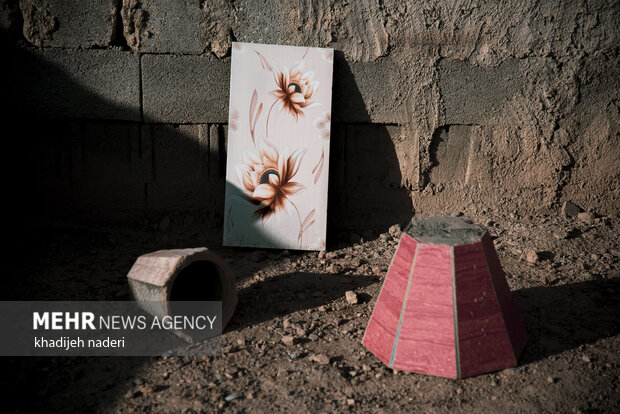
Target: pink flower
x=266, y=178
x=323, y=125
x=295, y=89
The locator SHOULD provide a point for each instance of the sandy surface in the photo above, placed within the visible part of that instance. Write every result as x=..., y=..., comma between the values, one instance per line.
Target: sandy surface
x=568, y=298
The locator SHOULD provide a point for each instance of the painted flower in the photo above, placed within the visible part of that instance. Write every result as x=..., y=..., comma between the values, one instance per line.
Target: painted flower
x=234, y=121
x=295, y=89
x=238, y=47
x=327, y=55
x=266, y=177
x=323, y=124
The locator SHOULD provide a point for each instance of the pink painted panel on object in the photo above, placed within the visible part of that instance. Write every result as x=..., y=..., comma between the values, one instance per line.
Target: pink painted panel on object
x=483, y=340
x=381, y=330
x=426, y=338
x=513, y=320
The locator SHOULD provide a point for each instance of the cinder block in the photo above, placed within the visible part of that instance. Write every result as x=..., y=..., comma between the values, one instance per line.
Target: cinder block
x=108, y=169
x=185, y=89
x=262, y=22
x=368, y=92
x=163, y=26
x=455, y=154
x=70, y=23
x=472, y=94
x=181, y=166
x=10, y=20
x=60, y=83
x=365, y=178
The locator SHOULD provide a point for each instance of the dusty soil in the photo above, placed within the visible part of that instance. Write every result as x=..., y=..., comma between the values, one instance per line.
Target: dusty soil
x=567, y=293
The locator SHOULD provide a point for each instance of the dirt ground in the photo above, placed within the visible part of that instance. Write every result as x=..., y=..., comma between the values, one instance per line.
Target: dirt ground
x=567, y=293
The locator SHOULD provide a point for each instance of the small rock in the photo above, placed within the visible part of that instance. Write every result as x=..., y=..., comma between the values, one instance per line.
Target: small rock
x=340, y=321
x=585, y=358
x=289, y=340
x=560, y=234
x=550, y=380
x=232, y=369
x=531, y=255
x=322, y=254
x=456, y=214
x=300, y=331
x=231, y=397
x=334, y=268
x=586, y=217
x=354, y=263
x=331, y=255
x=351, y=297
x=286, y=323
x=385, y=237
x=570, y=210
x=132, y=394
x=350, y=401
x=320, y=359
x=395, y=231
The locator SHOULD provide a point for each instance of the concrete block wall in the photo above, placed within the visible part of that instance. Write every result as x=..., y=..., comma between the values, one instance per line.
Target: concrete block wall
x=437, y=106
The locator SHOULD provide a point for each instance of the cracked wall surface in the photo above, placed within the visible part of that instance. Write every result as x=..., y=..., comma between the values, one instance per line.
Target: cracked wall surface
x=437, y=106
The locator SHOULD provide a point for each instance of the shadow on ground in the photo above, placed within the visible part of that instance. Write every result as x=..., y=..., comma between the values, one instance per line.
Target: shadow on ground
x=290, y=293
x=560, y=318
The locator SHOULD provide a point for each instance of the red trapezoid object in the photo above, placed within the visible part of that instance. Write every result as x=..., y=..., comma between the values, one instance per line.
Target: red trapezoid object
x=445, y=307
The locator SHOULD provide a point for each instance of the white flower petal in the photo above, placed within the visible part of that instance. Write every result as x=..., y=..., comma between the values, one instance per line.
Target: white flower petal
x=297, y=98
x=274, y=180
x=268, y=150
x=251, y=158
x=294, y=187
x=264, y=192
x=295, y=161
